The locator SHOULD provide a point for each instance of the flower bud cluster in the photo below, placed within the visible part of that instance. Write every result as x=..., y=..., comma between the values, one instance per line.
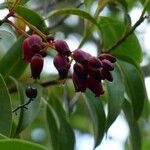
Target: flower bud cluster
x=88, y=71
x=33, y=53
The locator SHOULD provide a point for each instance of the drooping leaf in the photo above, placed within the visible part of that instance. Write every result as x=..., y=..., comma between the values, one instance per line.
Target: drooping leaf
x=27, y=115
x=97, y=113
x=6, y=36
x=135, y=135
x=73, y=11
x=5, y=109
x=15, y=144
x=65, y=132
x=11, y=63
x=32, y=17
x=115, y=96
x=112, y=30
x=135, y=87
x=2, y=137
x=53, y=127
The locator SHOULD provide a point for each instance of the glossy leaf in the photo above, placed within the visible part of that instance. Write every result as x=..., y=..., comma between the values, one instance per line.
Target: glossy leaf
x=32, y=17
x=2, y=137
x=52, y=121
x=112, y=30
x=65, y=132
x=15, y=144
x=135, y=135
x=73, y=11
x=12, y=63
x=96, y=110
x=134, y=86
x=27, y=115
x=6, y=36
x=116, y=91
x=5, y=109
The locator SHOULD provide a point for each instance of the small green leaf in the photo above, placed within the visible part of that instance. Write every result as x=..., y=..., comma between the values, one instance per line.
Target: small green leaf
x=97, y=113
x=88, y=4
x=15, y=144
x=32, y=17
x=12, y=63
x=65, y=132
x=135, y=135
x=115, y=96
x=27, y=115
x=73, y=11
x=135, y=87
x=112, y=30
x=5, y=109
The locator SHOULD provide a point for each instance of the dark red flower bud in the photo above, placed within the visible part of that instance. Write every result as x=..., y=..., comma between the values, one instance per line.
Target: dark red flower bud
x=94, y=72
x=43, y=53
x=31, y=46
x=95, y=62
x=62, y=47
x=31, y=92
x=107, y=65
x=79, y=84
x=105, y=74
x=109, y=57
x=79, y=71
x=81, y=56
x=61, y=63
x=36, y=66
x=95, y=86
x=50, y=38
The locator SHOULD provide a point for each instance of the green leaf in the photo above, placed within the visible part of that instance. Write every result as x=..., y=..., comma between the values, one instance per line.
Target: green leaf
x=53, y=127
x=5, y=109
x=12, y=63
x=2, y=137
x=15, y=144
x=65, y=132
x=32, y=17
x=73, y=11
x=88, y=4
x=96, y=110
x=27, y=115
x=135, y=87
x=135, y=135
x=116, y=91
x=112, y=30
x=6, y=36
x=143, y=2
x=24, y=2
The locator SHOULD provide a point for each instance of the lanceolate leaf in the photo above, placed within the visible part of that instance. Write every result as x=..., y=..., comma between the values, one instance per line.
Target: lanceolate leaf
x=27, y=115
x=32, y=17
x=65, y=132
x=112, y=30
x=5, y=109
x=115, y=96
x=12, y=63
x=52, y=121
x=15, y=144
x=73, y=11
x=134, y=86
x=135, y=135
x=97, y=113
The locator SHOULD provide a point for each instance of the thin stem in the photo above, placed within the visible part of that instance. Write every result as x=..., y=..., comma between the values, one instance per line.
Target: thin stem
x=22, y=106
x=17, y=28
x=125, y=36
x=12, y=9
x=31, y=26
